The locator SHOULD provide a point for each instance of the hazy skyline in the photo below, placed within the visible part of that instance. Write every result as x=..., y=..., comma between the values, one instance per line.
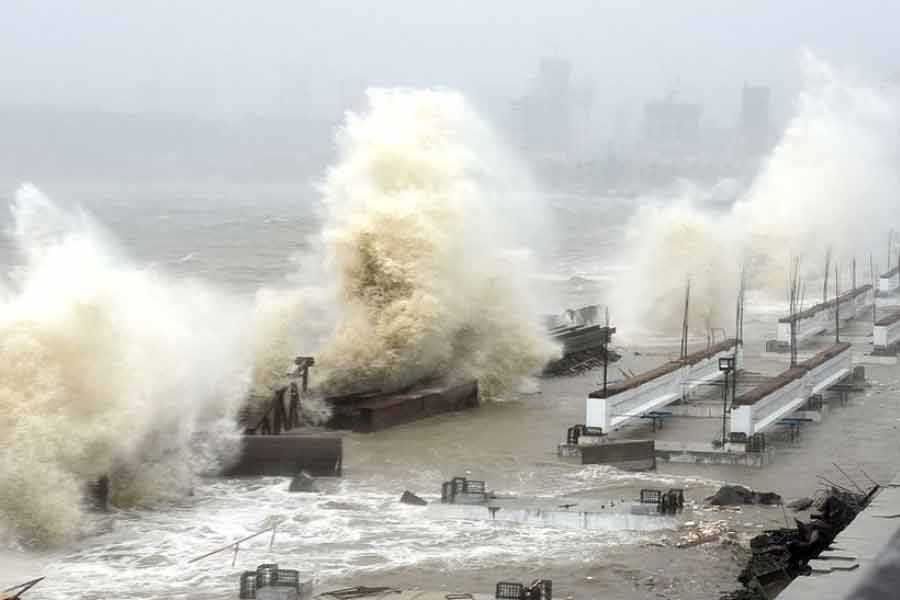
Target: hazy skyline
x=313, y=58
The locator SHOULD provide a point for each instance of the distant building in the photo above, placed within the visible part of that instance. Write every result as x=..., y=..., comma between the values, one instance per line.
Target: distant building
x=552, y=119
x=670, y=124
x=755, y=119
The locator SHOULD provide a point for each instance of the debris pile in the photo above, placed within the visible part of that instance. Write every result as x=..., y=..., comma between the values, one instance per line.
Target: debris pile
x=780, y=555
x=580, y=362
x=702, y=533
x=409, y=498
x=735, y=495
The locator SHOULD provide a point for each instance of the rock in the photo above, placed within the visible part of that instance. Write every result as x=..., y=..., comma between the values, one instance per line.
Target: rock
x=733, y=495
x=800, y=504
x=409, y=498
x=303, y=482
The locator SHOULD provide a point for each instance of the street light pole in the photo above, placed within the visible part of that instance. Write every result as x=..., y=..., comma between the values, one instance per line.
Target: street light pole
x=726, y=366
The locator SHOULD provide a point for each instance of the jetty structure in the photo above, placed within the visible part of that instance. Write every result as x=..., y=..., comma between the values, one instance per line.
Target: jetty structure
x=690, y=424
x=799, y=387
x=583, y=335
x=636, y=397
x=823, y=317
x=467, y=499
x=375, y=410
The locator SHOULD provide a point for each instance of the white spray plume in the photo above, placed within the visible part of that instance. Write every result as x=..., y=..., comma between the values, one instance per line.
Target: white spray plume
x=832, y=180
x=426, y=213
x=105, y=368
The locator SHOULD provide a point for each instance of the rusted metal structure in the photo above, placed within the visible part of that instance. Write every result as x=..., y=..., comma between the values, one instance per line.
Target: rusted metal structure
x=276, y=441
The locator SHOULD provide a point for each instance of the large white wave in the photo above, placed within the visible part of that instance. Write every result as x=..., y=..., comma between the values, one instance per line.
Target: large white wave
x=426, y=218
x=109, y=368
x=105, y=368
x=831, y=181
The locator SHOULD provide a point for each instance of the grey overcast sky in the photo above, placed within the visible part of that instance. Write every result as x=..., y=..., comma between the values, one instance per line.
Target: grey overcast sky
x=228, y=57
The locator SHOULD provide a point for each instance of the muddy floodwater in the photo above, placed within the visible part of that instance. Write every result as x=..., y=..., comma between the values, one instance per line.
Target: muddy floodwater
x=355, y=532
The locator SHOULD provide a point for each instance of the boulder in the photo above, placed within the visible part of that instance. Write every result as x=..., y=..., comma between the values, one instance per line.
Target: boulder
x=303, y=482
x=735, y=495
x=409, y=498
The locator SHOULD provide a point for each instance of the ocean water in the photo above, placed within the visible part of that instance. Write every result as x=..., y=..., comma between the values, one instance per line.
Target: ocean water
x=355, y=531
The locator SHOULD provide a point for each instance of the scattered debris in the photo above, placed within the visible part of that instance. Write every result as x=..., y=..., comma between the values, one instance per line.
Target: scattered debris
x=359, y=591
x=303, y=482
x=580, y=362
x=705, y=533
x=733, y=495
x=409, y=498
x=780, y=555
x=20, y=589
x=539, y=589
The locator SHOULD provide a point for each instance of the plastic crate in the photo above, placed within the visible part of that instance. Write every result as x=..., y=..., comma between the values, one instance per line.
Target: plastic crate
x=474, y=487
x=266, y=574
x=650, y=496
x=288, y=578
x=509, y=591
x=248, y=585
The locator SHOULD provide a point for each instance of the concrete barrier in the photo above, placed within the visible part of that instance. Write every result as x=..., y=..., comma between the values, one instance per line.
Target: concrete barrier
x=886, y=332
x=318, y=453
x=889, y=282
x=649, y=391
x=628, y=455
x=762, y=407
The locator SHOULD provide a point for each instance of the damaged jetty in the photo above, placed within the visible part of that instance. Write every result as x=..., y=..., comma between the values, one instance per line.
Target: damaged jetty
x=467, y=499
x=583, y=339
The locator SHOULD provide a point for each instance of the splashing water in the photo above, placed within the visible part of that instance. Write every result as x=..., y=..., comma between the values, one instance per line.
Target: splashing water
x=424, y=209
x=830, y=181
x=105, y=368
x=109, y=368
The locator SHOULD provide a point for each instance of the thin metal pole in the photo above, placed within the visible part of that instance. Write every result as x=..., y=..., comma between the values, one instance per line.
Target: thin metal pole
x=724, y=404
x=234, y=543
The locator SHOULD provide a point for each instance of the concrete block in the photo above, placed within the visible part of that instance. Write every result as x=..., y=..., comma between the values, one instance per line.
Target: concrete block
x=288, y=454
x=630, y=455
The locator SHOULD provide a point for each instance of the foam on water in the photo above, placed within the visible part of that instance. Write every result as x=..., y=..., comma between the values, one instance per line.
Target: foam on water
x=350, y=529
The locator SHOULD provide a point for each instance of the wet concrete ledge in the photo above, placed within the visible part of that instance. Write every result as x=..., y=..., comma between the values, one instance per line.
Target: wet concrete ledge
x=366, y=413
x=319, y=453
x=854, y=553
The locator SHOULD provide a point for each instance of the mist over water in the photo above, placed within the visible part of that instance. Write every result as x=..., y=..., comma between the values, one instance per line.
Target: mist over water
x=831, y=181
x=105, y=368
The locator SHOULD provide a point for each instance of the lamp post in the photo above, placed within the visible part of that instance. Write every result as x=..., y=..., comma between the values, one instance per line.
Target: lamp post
x=726, y=366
